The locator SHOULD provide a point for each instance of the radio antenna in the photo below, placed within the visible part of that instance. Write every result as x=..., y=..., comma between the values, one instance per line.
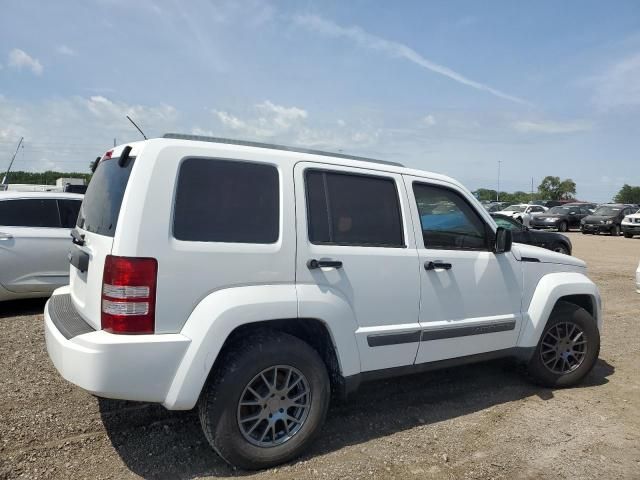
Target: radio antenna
x=134, y=124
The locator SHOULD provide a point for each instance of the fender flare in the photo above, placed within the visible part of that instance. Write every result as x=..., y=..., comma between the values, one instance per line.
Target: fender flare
x=551, y=288
x=221, y=312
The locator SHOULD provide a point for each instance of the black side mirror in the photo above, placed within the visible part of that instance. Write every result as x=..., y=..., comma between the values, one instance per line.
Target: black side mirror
x=504, y=240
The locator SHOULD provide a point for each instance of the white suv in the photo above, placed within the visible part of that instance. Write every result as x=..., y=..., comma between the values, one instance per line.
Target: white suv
x=253, y=281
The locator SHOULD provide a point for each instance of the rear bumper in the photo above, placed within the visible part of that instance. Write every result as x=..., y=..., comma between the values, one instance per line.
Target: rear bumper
x=128, y=367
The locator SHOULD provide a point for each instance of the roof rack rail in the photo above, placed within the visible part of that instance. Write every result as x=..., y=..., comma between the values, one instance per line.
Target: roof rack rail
x=229, y=141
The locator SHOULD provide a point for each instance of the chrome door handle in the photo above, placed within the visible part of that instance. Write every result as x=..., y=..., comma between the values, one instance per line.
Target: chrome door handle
x=438, y=264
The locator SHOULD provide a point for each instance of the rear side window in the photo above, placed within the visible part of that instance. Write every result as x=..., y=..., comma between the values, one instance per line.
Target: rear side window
x=68, y=212
x=448, y=221
x=29, y=213
x=101, y=205
x=227, y=201
x=349, y=209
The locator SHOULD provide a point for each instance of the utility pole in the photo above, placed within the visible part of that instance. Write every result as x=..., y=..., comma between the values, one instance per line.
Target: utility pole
x=531, y=188
x=4, y=180
x=498, y=191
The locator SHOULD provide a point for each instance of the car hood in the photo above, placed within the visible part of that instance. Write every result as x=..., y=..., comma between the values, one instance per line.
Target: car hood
x=537, y=254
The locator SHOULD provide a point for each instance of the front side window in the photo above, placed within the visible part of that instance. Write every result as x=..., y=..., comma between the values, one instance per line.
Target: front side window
x=507, y=223
x=227, y=201
x=352, y=209
x=32, y=212
x=448, y=221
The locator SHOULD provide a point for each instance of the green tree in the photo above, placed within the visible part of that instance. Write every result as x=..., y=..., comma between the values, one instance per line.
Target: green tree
x=44, y=178
x=485, y=194
x=628, y=194
x=552, y=188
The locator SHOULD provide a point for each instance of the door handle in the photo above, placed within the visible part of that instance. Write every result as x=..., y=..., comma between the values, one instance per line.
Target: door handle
x=438, y=264
x=313, y=264
x=5, y=236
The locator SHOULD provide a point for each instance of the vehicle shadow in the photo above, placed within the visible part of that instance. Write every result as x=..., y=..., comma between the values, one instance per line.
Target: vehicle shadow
x=18, y=308
x=156, y=443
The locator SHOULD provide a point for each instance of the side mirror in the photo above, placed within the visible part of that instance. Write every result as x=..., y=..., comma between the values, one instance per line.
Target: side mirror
x=503, y=240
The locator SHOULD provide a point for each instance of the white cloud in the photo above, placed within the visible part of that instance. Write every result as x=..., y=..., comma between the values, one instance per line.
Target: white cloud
x=20, y=59
x=552, y=127
x=65, y=50
x=395, y=49
x=429, y=120
x=270, y=120
x=619, y=86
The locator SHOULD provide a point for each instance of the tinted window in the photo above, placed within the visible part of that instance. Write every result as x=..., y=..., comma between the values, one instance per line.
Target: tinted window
x=101, y=205
x=29, y=213
x=448, y=221
x=507, y=223
x=348, y=209
x=68, y=212
x=227, y=201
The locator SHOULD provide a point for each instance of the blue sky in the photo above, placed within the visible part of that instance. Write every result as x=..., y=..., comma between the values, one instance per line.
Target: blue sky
x=547, y=88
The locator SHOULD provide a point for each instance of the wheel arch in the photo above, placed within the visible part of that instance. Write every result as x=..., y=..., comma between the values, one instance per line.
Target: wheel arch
x=571, y=287
x=225, y=314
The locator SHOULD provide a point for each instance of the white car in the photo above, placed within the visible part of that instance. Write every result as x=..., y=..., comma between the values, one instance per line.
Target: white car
x=630, y=225
x=34, y=242
x=253, y=281
x=522, y=212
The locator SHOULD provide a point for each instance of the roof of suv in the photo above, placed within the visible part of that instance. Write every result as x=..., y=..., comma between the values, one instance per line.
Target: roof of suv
x=229, y=141
x=11, y=194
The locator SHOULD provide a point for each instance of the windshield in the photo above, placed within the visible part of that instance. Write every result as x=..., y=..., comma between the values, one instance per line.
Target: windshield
x=561, y=210
x=607, y=211
x=101, y=205
x=514, y=208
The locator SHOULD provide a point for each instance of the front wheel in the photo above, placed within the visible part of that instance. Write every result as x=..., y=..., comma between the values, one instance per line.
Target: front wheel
x=628, y=235
x=615, y=231
x=561, y=248
x=568, y=347
x=266, y=402
x=563, y=227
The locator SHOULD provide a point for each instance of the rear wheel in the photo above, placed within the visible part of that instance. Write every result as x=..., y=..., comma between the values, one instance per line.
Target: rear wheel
x=563, y=226
x=628, y=235
x=568, y=347
x=615, y=231
x=267, y=402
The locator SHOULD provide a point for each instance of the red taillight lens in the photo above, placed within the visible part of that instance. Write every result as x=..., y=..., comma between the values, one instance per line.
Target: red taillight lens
x=129, y=294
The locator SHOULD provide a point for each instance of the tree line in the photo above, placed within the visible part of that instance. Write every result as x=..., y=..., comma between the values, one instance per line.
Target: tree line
x=43, y=178
x=553, y=188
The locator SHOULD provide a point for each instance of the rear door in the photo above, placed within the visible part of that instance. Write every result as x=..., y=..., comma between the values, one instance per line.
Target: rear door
x=96, y=225
x=33, y=246
x=355, y=243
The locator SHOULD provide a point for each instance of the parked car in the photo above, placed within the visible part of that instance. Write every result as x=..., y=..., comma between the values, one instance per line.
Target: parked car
x=606, y=218
x=496, y=206
x=522, y=212
x=631, y=224
x=34, y=242
x=521, y=234
x=561, y=218
x=257, y=281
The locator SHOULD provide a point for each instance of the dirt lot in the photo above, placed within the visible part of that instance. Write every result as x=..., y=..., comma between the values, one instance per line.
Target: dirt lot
x=483, y=421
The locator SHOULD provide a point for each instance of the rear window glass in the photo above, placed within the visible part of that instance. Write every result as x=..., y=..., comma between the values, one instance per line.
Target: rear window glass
x=68, y=212
x=29, y=213
x=227, y=201
x=101, y=205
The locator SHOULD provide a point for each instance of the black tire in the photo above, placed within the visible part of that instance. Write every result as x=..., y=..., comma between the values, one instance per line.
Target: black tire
x=567, y=313
x=615, y=231
x=584, y=232
x=561, y=248
x=628, y=235
x=219, y=409
x=563, y=226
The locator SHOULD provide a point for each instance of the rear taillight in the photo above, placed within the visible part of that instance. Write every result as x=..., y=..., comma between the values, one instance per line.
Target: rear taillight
x=129, y=294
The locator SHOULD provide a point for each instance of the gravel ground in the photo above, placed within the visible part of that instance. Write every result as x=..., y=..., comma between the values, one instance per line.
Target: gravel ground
x=482, y=421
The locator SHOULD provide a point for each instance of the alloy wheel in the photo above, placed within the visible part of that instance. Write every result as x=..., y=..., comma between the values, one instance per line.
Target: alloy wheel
x=274, y=406
x=564, y=348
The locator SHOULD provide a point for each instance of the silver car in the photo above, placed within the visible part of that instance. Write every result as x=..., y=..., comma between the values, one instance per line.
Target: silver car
x=35, y=230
